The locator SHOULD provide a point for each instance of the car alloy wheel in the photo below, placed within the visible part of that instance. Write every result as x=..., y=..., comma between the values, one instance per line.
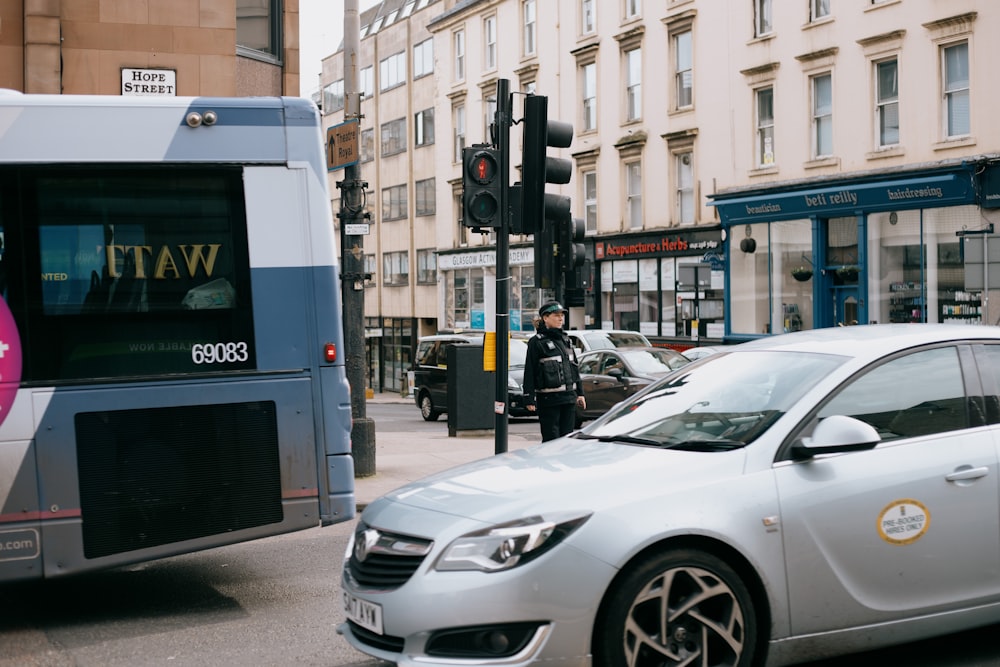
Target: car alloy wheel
x=677, y=608
x=427, y=410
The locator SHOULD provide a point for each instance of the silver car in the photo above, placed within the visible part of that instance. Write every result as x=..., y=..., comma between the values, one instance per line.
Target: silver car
x=788, y=499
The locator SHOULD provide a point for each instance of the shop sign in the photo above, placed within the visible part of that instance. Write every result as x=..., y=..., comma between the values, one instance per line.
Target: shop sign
x=482, y=258
x=149, y=82
x=658, y=245
x=949, y=189
x=991, y=188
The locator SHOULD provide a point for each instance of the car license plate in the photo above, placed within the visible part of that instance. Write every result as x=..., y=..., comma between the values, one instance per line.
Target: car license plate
x=366, y=614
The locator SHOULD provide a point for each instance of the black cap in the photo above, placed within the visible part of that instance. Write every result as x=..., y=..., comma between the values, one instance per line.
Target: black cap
x=550, y=307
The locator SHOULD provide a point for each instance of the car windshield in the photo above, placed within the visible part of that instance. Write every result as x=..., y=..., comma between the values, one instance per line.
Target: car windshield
x=726, y=400
x=518, y=353
x=619, y=339
x=653, y=361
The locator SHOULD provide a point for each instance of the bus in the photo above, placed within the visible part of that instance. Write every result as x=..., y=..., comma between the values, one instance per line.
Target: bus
x=172, y=371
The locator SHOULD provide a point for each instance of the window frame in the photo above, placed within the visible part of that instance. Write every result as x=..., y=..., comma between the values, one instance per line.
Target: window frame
x=458, y=55
x=883, y=104
x=490, y=42
x=680, y=72
x=633, y=89
x=394, y=204
x=529, y=28
x=395, y=143
x=821, y=117
x=588, y=87
x=765, y=130
x=949, y=91
x=423, y=128
x=763, y=18
x=633, y=195
x=425, y=202
x=423, y=53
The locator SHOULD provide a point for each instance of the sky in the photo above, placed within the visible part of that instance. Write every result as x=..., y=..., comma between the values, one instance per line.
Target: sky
x=321, y=27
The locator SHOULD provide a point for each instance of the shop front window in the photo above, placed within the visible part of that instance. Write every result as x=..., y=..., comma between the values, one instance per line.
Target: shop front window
x=792, y=275
x=749, y=280
x=920, y=267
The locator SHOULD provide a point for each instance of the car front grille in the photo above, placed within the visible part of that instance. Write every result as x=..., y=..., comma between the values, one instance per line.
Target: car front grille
x=382, y=561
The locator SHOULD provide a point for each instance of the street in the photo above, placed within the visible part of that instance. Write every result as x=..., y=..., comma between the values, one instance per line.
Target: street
x=270, y=602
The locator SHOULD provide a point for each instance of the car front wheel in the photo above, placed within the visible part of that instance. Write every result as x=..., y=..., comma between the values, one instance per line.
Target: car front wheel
x=675, y=608
x=427, y=410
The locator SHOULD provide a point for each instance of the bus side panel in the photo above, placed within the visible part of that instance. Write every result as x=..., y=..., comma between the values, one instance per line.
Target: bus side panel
x=20, y=545
x=175, y=468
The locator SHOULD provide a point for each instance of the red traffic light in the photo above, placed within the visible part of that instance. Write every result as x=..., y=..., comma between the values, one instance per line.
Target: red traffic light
x=483, y=167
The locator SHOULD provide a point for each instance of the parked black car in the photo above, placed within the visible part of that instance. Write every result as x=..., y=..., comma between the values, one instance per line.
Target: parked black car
x=430, y=373
x=611, y=376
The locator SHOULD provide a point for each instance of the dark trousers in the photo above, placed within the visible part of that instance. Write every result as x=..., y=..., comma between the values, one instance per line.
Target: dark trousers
x=556, y=420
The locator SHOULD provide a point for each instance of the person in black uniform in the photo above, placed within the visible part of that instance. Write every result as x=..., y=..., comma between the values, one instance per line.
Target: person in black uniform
x=552, y=386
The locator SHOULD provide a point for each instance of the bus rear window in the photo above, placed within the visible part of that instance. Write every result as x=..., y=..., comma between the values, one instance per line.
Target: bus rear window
x=141, y=271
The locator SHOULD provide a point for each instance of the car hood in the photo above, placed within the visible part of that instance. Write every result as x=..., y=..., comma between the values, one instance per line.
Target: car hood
x=564, y=474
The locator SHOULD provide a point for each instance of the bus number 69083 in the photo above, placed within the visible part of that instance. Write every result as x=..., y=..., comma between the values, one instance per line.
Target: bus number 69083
x=218, y=353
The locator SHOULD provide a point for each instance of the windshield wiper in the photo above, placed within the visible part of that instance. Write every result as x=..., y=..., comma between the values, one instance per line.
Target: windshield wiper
x=720, y=445
x=630, y=439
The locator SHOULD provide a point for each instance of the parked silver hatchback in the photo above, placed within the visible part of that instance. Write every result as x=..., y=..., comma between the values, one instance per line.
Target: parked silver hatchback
x=787, y=499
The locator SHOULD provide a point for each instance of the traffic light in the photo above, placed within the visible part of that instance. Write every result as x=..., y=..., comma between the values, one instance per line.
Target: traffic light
x=481, y=187
x=537, y=168
x=572, y=252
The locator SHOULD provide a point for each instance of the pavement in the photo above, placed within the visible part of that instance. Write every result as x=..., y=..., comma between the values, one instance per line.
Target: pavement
x=405, y=456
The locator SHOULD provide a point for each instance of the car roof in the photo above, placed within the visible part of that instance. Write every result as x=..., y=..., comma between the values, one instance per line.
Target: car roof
x=469, y=337
x=869, y=341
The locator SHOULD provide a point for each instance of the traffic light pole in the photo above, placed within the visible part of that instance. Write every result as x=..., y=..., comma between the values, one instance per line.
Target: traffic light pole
x=502, y=123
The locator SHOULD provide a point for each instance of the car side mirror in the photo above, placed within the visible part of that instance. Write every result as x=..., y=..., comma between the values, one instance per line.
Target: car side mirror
x=835, y=434
x=617, y=374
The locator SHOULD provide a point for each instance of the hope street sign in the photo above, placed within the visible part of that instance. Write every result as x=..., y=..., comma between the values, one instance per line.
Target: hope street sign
x=149, y=82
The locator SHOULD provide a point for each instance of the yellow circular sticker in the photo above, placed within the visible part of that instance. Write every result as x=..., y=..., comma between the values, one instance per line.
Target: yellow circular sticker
x=903, y=521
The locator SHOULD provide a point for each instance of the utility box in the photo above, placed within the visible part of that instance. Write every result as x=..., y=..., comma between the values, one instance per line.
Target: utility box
x=471, y=390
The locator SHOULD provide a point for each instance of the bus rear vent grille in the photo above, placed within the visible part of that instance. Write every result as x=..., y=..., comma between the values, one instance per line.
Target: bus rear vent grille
x=163, y=475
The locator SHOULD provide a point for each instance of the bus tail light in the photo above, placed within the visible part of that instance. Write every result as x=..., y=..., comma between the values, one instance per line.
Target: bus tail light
x=330, y=353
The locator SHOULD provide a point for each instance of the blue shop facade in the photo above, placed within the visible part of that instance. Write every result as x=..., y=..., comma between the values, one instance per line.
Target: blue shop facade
x=886, y=247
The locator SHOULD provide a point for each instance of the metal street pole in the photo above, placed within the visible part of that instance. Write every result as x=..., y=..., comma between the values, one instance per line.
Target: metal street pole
x=502, y=123
x=352, y=259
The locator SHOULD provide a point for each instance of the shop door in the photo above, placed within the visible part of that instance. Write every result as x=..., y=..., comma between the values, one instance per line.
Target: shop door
x=845, y=305
x=842, y=273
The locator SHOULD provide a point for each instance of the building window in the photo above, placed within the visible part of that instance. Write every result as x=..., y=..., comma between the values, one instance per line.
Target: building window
x=333, y=96
x=392, y=71
x=490, y=42
x=367, y=81
x=393, y=137
x=684, y=187
x=762, y=18
x=423, y=58
x=632, y=8
x=588, y=17
x=459, y=124
x=394, y=202
x=633, y=194
x=530, y=25
x=588, y=75
x=258, y=27
x=822, y=115
x=818, y=9
x=633, y=84
x=396, y=268
x=368, y=144
x=458, y=46
x=490, y=114
x=425, y=197
x=590, y=200
x=956, y=89
x=426, y=266
x=887, y=102
x=765, y=127
x=683, y=72
x=423, y=127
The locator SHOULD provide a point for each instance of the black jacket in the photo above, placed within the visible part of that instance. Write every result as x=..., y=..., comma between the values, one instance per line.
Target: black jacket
x=551, y=376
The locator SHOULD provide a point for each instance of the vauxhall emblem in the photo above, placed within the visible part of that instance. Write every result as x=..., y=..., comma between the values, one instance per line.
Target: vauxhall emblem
x=364, y=543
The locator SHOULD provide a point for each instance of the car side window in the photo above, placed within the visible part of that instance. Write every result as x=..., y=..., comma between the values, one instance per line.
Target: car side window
x=917, y=394
x=588, y=365
x=988, y=361
x=426, y=353
x=610, y=362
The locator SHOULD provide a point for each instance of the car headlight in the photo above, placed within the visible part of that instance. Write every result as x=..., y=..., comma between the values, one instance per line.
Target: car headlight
x=511, y=544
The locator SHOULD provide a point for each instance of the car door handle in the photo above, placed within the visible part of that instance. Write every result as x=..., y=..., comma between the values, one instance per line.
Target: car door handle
x=967, y=473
